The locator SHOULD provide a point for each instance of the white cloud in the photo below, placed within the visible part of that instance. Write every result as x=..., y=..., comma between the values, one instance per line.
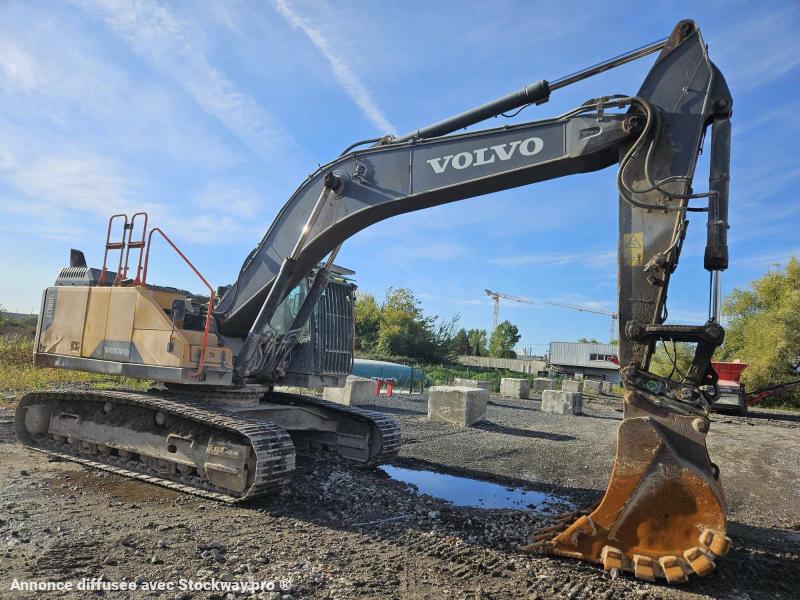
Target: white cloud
x=600, y=259
x=768, y=259
x=232, y=199
x=16, y=67
x=457, y=301
x=781, y=118
x=206, y=229
x=690, y=317
x=50, y=222
x=778, y=50
x=761, y=180
x=60, y=86
x=175, y=48
x=425, y=251
x=82, y=183
x=60, y=192
x=341, y=69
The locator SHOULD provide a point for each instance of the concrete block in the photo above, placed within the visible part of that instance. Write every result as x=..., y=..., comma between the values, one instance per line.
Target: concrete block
x=473, y=383
x=592, y=386
x=514, y=388
x=356, y=390
x=606, y=387
x=541, y=384
x=561, y=402
x=570, y=385
x=459, y=405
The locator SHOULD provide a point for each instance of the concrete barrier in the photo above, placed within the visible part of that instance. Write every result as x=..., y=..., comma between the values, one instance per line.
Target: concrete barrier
x=606, y=387
x=561, y=402
x=570, y=385
x=592, y=386
x=514, y=388
x=356, y=390
x=473, y=383
x=520, y=365
x=541, y=384
x=458, y=405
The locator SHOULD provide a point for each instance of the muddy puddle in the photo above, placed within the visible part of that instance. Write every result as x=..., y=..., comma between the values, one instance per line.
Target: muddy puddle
x=464, y=491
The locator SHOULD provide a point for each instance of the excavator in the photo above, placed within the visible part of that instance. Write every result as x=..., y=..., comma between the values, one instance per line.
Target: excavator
x=216, y=426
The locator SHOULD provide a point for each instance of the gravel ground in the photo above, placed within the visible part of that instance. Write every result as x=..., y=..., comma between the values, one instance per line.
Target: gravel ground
x=344, y=533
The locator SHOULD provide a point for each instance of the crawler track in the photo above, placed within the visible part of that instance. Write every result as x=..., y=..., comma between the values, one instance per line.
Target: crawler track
x=270, y=445
x=386, y=428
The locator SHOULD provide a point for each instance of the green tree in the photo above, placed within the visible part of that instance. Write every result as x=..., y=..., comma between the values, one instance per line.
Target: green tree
x=478, y=342
x=503, y=340
x=763, y=330
x=672, y=362
x=585, y=340
x=461, y=345
x=402, y=331
x=368, y=322
x=406, y=331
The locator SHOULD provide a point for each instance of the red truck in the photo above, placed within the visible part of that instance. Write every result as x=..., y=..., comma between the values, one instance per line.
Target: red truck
x=732, y=397
x=731, y=390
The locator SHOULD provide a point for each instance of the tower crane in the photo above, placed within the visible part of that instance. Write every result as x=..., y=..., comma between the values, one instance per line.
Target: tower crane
x=495, y=296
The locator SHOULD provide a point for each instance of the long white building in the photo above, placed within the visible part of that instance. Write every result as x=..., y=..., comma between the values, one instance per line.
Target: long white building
x=591, y=361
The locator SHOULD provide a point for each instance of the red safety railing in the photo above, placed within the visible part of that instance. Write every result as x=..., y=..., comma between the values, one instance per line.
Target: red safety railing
x=202, y=361
x=138, y=244
x=114, y=246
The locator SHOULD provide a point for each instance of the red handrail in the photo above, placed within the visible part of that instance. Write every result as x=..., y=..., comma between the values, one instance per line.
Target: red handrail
x=113, y=246
x=202, y=362
x=138, y=244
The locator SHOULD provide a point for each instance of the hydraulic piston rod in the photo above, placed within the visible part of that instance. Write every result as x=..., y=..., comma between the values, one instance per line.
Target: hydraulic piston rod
x=606, y=65
x=535, y=93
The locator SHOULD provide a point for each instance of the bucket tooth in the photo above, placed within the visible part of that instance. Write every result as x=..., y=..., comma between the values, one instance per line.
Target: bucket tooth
x=717, y=543
x=673, y=569
x=644, y=567
x=612, y=558
x=663, y=491
x=700, y=562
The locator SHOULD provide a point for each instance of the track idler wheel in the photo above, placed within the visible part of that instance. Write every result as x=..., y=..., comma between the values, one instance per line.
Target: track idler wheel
x=663, y=513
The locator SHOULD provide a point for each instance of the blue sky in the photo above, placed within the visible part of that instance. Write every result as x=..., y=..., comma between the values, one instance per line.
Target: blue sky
x=209, y=114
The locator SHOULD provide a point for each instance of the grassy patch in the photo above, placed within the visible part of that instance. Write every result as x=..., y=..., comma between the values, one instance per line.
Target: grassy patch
x=444, y=374
x=17, y=326
x=18, y=374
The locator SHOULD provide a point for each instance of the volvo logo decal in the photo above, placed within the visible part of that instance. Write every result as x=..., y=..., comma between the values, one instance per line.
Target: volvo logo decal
x=486, y=156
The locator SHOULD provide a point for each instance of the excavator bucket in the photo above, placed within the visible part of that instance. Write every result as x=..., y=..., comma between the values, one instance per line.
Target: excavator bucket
x=663, y=513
